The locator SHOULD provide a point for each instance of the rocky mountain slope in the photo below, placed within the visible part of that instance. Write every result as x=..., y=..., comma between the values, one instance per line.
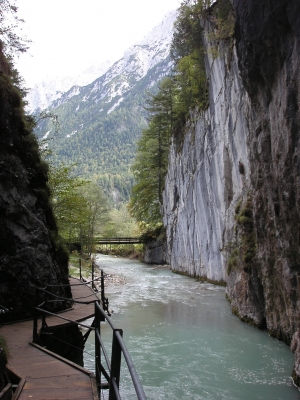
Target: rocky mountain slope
x=44, y=93
x=100, y=122
x=231, y=201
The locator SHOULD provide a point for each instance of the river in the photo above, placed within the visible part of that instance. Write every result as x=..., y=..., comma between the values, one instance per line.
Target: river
x=185, y=342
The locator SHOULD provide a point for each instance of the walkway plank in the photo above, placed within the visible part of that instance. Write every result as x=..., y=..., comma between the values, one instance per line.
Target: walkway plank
x=49, y=378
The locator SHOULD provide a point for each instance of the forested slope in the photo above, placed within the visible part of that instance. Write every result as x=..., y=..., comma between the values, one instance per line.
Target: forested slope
x=101, y=122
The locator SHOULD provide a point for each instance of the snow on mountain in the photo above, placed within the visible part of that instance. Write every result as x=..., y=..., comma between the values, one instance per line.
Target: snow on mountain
x=45, y=92
x=111, y=82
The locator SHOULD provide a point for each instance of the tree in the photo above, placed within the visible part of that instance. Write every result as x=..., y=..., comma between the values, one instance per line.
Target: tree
x=69, y=205
x=168, y=111
x=151, y=160
x=9, y=21
x=121, y=224
x=188, y=54
x=96, y=214
x=80, y=207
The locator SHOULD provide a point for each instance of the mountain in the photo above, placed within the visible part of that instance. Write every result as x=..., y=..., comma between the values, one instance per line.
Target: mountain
x=101, y=122
x=44, y=93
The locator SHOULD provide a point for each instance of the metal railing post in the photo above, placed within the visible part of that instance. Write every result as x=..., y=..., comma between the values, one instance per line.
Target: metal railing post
x=102, y=289
x=97, y=349
x=115, y=366
x=93, y=275
x=80, y=275
x=35, y=327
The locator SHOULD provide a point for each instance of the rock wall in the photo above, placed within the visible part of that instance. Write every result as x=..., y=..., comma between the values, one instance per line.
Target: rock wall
x=203, y=183
x=231, y=201
x=30, y=254
x=155, y=252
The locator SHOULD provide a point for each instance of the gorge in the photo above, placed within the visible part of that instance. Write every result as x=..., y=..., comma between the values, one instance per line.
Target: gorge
x=231, y=196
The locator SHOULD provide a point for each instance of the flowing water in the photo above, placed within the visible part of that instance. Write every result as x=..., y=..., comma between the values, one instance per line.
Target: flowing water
x=185, y=342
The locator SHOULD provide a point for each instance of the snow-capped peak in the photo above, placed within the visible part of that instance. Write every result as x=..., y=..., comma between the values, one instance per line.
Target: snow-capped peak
x=136, y=62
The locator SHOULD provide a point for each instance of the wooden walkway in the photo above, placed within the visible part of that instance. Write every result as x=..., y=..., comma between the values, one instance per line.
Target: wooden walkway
x=47, y=376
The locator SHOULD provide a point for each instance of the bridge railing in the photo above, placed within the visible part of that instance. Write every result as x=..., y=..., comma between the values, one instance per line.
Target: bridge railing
x=119, y=240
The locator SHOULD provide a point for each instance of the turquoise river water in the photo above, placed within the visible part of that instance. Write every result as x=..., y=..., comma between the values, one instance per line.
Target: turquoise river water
x=185, y=342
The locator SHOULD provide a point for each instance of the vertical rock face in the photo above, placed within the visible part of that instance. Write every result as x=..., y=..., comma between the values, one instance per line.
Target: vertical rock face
x=29, y=253
x=203, y=183
x=155, y=252
x=231, y=203
x=268, y=51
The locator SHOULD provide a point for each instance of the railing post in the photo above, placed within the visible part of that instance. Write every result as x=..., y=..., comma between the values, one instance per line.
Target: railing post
x=115, y=365
x=44, y=314
x=104, y=300
x=97, y=349
x=35, y=326
x=93, y=275
x=80, y=275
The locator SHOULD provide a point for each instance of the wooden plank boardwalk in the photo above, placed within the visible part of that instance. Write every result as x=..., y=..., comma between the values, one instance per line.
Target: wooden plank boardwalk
x=47, y=376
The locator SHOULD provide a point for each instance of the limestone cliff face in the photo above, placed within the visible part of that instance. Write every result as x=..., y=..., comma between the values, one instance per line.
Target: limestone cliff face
x=29, y=253
x=231, y=202
x=203, y=183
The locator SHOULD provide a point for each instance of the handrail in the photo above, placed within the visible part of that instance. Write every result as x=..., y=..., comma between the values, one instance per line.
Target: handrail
x=64, y=318
x=114, y=367
x=118, y=345
x=134, y=376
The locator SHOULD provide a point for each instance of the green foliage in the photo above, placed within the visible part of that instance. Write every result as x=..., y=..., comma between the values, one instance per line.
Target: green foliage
x=187, y=29
x=80, y=207
x=191, y=79
x=67, y=203
x=99, y=140
x=168, y=111
x=151, y=162
x=188, y=54
x=152, y=233
x=242, y=252
x=121, y=224
x=96, y=214
x=9, y=23
x=222, y=15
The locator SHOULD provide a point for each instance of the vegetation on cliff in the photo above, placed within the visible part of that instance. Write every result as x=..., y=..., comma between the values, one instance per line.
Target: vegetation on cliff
x=169, y=110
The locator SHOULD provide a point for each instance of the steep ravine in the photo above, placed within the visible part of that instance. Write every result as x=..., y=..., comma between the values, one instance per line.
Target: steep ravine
x=231, y=200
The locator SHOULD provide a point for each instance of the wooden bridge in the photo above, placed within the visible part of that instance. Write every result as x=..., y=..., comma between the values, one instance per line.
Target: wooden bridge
x=38, y=373
x=119, y=240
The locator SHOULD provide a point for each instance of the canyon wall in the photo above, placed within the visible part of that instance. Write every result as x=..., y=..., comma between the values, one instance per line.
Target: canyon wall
x=30, y=253
x=231, y=200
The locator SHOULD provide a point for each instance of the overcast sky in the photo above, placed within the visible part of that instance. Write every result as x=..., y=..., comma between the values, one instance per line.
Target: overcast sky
x=70, y=35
